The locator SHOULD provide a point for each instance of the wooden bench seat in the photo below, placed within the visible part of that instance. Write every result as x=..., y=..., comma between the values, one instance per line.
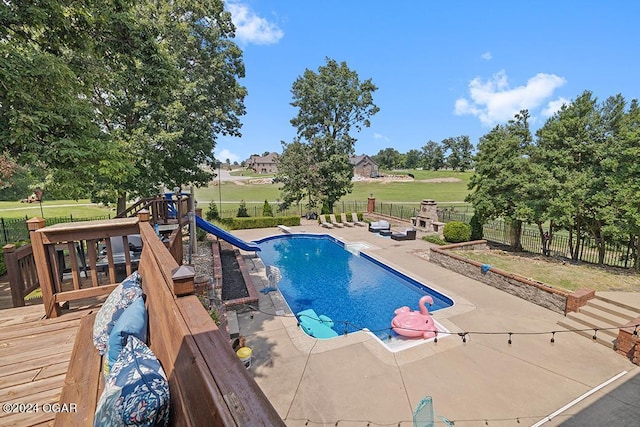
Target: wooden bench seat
x=207, y=382
x=83, y=383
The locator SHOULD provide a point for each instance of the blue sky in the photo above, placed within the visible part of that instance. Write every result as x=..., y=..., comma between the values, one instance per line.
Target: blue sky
x=442, y=69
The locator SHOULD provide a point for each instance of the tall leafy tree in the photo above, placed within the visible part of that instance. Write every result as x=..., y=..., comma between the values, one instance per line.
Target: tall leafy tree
x=299, y=173
x=412, y=159
x=118, y=96
x=498, y=185
x=460, y=150
x=331, y=103
x=567, y=148
x=388, y=158
x=45, y=114
x=628, y=176
x=166, y=109
x=432, y=156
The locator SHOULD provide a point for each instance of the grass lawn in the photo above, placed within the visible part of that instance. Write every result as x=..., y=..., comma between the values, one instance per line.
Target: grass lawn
x=553, y=272
x=54, y=208
x=413, y=191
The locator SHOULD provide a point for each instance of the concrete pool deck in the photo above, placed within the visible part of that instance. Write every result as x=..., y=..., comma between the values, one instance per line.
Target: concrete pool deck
x=354, y=380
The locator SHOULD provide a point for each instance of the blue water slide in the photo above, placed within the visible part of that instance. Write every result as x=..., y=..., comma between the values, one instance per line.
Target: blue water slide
x=225, y=235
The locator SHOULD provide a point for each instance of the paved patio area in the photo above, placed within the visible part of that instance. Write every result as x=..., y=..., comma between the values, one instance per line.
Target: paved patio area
x=355, y=381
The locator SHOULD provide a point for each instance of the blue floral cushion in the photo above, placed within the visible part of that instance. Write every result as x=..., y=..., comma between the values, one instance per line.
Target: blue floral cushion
x=136, y=392
x=133, y=321
x=121, y=297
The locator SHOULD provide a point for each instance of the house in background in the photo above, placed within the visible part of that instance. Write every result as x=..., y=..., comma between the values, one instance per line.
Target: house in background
x=364, y=166
x=263, y=164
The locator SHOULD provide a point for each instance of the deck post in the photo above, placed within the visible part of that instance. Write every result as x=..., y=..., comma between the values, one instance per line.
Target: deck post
x=14, y=273
x=51, y=307
x=143, y=215
x=183, y=280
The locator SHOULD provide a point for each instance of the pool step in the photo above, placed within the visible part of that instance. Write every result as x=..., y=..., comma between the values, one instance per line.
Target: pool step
x=600, y=317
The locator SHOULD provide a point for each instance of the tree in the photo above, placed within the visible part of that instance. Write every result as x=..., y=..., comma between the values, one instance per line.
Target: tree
x=299, y=173
x=389, y=158
x=566, y=148
x=212, y=214
x=267, y=210
x=118, y=97
x=628, y=174
x=432, y=156
x=412, y=159
x=242, y=210
x=498, y=185
x=331, y=103
x=460, y=149
x=189, y=94
x=45, y=114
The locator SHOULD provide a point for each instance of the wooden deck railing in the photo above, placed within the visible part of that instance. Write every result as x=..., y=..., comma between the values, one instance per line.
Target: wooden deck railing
x=209, y=385
x=162, y=210
x=50, y=243
x=21, y=271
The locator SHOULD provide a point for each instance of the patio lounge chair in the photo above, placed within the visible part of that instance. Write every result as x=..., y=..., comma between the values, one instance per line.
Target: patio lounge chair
x=343, y=218
x=409, y=234
x=356, y=221
x=334, y=221
x=323, y=221
x=378, y=226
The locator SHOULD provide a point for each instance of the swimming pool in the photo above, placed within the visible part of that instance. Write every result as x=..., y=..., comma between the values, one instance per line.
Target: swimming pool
x=353, y=289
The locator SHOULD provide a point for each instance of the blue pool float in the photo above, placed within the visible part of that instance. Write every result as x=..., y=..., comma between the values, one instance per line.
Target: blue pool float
x=314, y=325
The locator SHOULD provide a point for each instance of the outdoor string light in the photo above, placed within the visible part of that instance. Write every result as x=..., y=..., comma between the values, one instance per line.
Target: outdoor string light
x=464, y=334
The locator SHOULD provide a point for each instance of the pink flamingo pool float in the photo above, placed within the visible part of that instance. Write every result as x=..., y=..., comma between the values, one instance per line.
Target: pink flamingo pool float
x=415, y=323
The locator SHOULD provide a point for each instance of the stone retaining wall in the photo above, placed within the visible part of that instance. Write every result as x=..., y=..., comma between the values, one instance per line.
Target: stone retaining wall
x=557, y=300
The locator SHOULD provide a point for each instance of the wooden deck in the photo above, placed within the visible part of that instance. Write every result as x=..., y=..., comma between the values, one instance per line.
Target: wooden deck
x=34, y=355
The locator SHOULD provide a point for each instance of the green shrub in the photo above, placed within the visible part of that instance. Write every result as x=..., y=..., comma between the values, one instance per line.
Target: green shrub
x=266, y=209
x=212, y=214
x=258, y=222
x=201, y=235
x=434, y=238
x=242, y=210
x=476, y=228
x=456, y=232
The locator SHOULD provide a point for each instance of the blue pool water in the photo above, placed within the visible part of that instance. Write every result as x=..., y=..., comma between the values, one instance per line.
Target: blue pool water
x=354, y=291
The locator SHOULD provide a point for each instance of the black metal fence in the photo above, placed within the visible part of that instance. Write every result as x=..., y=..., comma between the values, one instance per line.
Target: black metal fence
x=15, y=229
x=616, y=254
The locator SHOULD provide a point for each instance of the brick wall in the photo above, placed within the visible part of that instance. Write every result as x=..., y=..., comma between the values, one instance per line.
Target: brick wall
x=628, y=341
x=557, y=300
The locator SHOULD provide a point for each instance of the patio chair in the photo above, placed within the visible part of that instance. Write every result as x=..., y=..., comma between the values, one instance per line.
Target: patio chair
x=334, y=221
x=356, y=221
x=323, y=222
x=378, y=226
x=343, y=218
x=409, y=234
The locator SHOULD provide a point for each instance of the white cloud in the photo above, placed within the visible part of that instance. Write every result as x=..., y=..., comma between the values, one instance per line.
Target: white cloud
x=554, y=106
x=495, y=101
x=377, y=135
x=486, y=56
x=251, y=28
x=225, y=154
